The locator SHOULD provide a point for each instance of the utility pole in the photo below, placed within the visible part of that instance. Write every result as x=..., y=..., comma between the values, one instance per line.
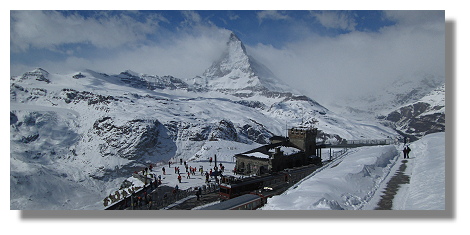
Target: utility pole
x=287, y=131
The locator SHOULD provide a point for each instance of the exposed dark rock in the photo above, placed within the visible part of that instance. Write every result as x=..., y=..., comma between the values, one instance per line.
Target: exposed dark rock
x=13, y=118
x=70, y=95
x=133, y=139
x=38, y=74
x=78, y=76
x=29, y=139
x=416, y=120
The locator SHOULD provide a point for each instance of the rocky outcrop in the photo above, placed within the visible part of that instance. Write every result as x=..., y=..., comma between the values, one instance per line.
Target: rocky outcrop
x=132, y=139
x=221, y=130
x=416, y=120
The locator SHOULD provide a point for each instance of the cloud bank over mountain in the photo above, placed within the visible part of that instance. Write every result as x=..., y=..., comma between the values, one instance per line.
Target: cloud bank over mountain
x=327, y=54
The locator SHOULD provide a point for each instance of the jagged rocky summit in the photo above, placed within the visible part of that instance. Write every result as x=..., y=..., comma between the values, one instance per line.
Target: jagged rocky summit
x=235, y=71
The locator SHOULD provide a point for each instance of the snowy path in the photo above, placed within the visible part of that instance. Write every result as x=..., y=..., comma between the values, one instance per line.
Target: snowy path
x=426, y=171
x=398, y=180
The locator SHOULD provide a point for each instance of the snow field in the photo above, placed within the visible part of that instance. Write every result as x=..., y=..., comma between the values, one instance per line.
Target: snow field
x=355, y=181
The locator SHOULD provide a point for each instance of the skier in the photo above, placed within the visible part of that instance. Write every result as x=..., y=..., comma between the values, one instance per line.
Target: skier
x=179, y=178
x=210, y=160
x=163, y=169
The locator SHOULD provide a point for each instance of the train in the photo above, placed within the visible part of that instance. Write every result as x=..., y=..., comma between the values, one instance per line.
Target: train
x=251, y=193
x=249, y=201
x=232, y=187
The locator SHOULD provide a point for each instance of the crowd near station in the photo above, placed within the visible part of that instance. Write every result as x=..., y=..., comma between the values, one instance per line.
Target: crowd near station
x=162, y=183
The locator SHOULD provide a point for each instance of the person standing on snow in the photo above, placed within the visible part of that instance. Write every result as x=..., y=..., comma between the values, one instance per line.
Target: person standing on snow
x=406, y=152
x=198, y=193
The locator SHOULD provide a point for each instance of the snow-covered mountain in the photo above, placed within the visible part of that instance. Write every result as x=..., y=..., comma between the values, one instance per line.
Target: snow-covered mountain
x=392, y=95
x=75, y=137
x=425, y=116
x=235, y=71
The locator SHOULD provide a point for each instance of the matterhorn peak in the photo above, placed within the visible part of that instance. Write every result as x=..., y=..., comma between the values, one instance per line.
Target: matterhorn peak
x=235, y=42
x=236, y=70
x=233, y=60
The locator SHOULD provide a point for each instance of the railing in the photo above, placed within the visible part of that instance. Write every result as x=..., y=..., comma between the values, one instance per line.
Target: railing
x=148, y=198
x=371, y=142
x=356, y=143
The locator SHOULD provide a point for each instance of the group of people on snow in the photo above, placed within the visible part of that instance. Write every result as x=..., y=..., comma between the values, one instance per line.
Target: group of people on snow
x=152, y=180
x=406, y=151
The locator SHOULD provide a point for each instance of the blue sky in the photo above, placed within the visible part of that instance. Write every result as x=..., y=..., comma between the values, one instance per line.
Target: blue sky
x=324, y=48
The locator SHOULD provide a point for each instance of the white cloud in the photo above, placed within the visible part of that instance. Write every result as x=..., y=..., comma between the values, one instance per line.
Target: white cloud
x=191, y=18
x=415, y=17
x=232, y=16
x=271, y=15
x=117, y=43
x=50, y=29
x=184, y=55
x=335, y=20
x=331, y=68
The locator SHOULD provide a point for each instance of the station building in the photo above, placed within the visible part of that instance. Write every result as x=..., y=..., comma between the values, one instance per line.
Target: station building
x=298, y=149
